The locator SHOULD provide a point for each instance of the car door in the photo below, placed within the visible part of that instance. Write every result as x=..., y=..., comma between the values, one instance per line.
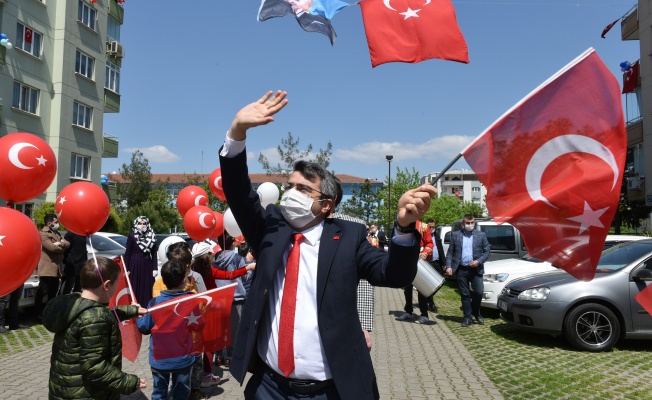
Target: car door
x=641, y=319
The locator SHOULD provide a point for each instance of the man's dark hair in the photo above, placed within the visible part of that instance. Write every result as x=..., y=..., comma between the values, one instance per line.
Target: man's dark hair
x=430, y=220
x=340, y=192
x=225, y=241
x=49, y=218
x=90, y=279
x=469, y=216
x=313, y=171
x=173, y=273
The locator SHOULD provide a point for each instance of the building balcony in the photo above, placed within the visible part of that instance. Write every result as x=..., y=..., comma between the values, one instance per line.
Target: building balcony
x=111, y=191
x=109, y=146
x=629, y=25
x=634, y=132
x=116, y=11
x=452, y=183
x=111, y=101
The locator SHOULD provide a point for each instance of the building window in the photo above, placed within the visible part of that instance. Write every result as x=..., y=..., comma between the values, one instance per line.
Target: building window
x=80, y=167
x=84, y=64
x=113, y=30
x=82, y=115
x=86, y=15
x=475, y=190
x=29, y=40
x=25, y=208
x=112, y=79
x=25, y=98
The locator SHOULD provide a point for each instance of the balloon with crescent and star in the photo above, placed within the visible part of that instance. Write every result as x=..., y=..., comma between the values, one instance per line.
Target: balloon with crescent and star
x=28, y=167
x=199, y=222
x=82, y=207
x=191, y=196
x=215, y=184
x=20, y=249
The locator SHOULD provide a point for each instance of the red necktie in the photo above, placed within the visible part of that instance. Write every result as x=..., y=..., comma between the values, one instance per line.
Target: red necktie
x=288, y=308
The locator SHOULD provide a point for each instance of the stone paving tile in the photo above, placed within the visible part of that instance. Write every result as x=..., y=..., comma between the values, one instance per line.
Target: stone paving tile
x=412, y=361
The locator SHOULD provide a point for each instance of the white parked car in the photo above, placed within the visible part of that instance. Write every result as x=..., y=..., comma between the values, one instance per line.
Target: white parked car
x=497, y=274
x=105, y=245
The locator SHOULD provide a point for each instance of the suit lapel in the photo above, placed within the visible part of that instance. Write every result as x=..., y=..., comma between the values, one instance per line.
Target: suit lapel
x=327, y=248
x=282, y=240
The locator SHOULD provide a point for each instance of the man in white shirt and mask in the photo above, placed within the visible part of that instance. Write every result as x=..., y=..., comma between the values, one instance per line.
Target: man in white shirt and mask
x=309, y=266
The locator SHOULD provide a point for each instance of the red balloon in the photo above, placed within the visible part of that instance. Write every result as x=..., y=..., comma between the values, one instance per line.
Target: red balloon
x=83, y=208
x=215, y=184
x=189, y=197
x=20, y=249
x=199, y=222
x=28, y=167
x=219, y=225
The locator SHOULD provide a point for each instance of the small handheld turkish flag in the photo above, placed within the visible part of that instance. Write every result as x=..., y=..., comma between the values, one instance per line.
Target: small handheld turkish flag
x=553, y=164
x=131, y=336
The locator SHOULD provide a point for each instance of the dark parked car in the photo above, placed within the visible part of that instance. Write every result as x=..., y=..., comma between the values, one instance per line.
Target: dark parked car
x=592, y=315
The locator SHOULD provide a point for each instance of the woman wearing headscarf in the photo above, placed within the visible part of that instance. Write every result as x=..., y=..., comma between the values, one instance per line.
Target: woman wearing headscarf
x=140, y=259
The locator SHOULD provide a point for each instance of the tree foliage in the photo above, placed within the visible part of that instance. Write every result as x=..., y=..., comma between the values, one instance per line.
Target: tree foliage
x=138, y=177
x=41, y=211
x=289, y=153
x=394, y=189
x=158, y=209
x=113, y=223
x=363, y=204
x=475, y=209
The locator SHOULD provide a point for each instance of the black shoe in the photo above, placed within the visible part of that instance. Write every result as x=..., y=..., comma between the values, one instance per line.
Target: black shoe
x=466, y=323
x=432, y=307
x=479, y=320
x=19, y=326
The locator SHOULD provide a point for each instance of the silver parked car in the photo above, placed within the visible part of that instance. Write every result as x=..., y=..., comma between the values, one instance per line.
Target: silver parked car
x=592, y=315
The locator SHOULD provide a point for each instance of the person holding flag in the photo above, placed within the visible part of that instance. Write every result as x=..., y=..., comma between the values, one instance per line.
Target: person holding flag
x=86, y=352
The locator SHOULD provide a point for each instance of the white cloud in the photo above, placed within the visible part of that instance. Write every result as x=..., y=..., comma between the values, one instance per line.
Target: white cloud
x=157, y=154
x=374, y=152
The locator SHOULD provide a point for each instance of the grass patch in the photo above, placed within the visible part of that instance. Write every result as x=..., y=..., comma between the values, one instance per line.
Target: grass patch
x=524, y=365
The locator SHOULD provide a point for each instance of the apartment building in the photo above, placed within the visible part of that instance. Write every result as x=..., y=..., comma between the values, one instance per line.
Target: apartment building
x=59, y=78
x=461, y=183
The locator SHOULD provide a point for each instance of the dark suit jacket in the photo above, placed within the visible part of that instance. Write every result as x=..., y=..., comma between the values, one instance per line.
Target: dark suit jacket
x=345, y=256
x=481, y=250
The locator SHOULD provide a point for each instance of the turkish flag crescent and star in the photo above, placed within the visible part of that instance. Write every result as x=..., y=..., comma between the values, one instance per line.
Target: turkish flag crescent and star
x=192, y=324
x=131, y=336
x=28, y=35
x=412, y=31
x=630, y=78
x=553, y=165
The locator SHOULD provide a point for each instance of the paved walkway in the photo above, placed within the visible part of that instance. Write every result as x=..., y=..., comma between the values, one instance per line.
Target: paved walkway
x=411, y=361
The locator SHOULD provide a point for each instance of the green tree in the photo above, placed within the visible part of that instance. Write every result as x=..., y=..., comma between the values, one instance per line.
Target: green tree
x=445, y=210
x=113, y=223
x=475, y=209
x=363, y=204
x=290, y=153
x=158, y=209
x=41, y=211
x=138, y=177
x=404, y=181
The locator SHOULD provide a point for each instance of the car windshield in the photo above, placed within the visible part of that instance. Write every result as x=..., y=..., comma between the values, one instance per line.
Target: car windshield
x=101, y=243
x=120, y=239
x=622, y=255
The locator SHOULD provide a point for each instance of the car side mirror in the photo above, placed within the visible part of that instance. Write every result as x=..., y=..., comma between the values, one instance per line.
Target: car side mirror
x=643, y=275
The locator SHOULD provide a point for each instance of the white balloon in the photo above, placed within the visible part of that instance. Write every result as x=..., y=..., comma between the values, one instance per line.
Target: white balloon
x=9, y=45
x=268, y=193
x=230, y=225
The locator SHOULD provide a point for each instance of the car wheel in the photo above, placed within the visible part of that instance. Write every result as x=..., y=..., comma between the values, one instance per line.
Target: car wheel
x=592, y=327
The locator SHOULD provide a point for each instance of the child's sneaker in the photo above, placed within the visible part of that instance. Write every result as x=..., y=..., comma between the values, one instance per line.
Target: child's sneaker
x=210, y=380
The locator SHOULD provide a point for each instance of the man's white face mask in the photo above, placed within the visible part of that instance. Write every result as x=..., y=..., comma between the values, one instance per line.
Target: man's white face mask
x=296, y=208
x=468, y=227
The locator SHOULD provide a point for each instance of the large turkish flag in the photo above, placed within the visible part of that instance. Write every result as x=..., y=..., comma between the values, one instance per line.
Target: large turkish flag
x=192, y=324
x=553, y=164
x=412, y=31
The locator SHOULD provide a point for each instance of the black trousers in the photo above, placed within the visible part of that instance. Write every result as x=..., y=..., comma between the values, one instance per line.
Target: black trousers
x=46, y=285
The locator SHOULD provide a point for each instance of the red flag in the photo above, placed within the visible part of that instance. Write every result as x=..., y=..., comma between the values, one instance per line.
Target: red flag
x=553, y=164
x=644, y=298
x=192, y=324
x=28, y=35
x=412, y=31
x=630, y=78
x=131, y=336
x=608, y=28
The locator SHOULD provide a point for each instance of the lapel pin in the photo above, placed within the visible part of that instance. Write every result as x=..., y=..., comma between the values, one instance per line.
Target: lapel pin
x=336, y=237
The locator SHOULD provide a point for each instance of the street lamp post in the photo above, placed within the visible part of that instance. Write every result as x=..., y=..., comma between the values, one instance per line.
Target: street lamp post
x=389, y=192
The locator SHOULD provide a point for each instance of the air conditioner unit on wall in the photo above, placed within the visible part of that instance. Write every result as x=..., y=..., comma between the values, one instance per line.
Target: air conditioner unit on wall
x=117, y=49
x=634, y=183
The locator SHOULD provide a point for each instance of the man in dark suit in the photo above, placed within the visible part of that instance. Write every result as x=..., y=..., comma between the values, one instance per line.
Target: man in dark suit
x=437, y=260
x=468, y=251
x=315, y=262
